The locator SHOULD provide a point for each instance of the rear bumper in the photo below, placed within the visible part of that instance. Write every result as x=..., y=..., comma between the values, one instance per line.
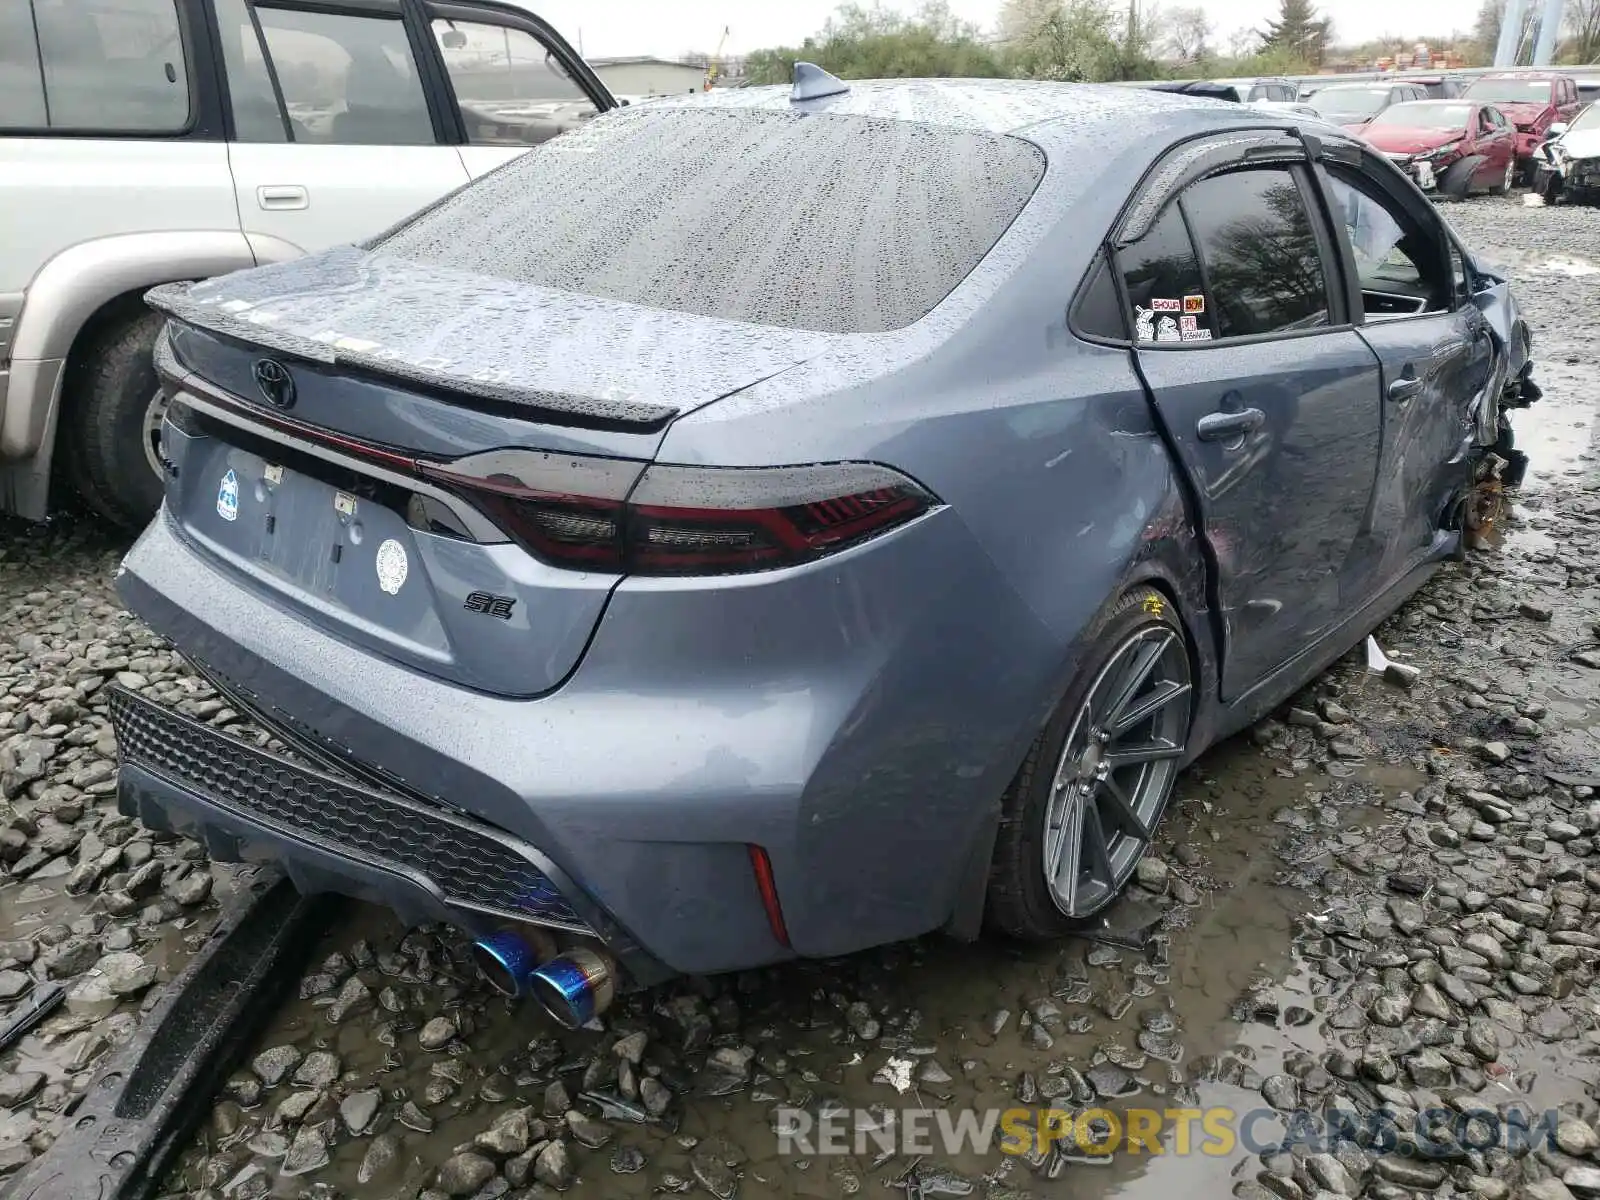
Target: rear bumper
x=334, y=833
x=851, y=718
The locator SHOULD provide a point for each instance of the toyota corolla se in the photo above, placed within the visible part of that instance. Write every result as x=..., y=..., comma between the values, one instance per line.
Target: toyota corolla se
x=781, y=522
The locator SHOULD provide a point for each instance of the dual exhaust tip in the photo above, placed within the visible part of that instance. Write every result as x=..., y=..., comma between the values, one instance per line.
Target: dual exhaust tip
x=573, y=987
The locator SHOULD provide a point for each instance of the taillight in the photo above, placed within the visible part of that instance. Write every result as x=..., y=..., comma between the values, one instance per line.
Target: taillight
x=603, y=514
x=579, y=513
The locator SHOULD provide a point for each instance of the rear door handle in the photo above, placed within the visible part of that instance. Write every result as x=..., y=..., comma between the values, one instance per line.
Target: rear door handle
x=1225, y=426
x=278, y=196
x=1404, y=388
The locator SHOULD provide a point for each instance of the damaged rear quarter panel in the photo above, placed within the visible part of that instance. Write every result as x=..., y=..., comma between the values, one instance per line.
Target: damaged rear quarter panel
x=1059, y=494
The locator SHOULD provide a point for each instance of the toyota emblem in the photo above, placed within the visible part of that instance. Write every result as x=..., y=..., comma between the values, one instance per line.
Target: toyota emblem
x=275, y=383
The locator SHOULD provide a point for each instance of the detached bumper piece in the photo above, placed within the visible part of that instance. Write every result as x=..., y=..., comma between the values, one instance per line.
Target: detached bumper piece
x=1420, y=169
x=379, y=842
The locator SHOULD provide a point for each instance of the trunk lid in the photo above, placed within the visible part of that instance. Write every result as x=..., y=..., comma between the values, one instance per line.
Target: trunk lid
x=416, y=362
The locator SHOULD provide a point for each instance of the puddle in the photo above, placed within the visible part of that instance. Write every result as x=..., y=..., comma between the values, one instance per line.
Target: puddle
x=81, y=1032
x=1574, y=267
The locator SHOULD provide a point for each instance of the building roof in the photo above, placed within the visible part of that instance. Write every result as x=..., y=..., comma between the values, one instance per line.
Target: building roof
x=642, y=61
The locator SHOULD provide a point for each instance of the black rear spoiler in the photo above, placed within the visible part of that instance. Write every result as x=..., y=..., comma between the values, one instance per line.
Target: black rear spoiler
x=1197, y=87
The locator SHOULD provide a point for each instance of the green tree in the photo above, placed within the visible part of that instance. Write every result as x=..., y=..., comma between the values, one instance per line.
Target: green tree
x=1188, y=34
x=1298, y=31
x=1582, y=41
x=1075, y=40
x=1486, y=28
x=859, y=42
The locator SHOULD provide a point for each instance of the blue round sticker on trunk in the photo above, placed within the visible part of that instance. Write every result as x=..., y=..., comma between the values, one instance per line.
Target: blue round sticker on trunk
x=228, y=497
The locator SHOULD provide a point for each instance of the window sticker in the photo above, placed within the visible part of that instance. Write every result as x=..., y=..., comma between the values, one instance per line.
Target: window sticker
x=1194, y=304
x=1167, y=330
x=1161, y=305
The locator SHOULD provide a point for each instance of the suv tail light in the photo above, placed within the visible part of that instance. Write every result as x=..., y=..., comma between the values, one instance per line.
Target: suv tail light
x=579, y=513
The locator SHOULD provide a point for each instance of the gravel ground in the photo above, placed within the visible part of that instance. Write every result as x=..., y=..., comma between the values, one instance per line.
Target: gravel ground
x=1383, y=900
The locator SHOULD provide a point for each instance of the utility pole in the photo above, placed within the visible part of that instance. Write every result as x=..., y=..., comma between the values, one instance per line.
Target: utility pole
x=1505, y=51
x=1549, y=30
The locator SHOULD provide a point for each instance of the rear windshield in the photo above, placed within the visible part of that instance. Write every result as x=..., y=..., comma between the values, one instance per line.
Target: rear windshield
x=835, y=223
x=1424, y=116
x=1350, y=102
x=1511, y=91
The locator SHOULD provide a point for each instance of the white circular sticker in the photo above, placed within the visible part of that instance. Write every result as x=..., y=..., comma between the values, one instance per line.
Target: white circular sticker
x=392, y=566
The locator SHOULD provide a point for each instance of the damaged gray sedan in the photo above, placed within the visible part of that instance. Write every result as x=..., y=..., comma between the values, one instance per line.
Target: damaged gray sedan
x=776, y=523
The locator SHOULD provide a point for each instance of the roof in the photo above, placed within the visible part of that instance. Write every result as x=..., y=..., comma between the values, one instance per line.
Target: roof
x=1092, y=110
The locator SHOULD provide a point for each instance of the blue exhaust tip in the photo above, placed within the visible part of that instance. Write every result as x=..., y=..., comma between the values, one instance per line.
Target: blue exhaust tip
x=575, y=987
x=507, y=961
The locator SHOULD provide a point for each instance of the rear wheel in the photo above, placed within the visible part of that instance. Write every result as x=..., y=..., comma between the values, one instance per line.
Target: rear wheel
x=112, y=421
x=1083, y=809
x=1510, y=176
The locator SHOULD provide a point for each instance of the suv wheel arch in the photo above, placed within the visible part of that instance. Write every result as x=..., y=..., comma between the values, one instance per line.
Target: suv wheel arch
x=70, y=299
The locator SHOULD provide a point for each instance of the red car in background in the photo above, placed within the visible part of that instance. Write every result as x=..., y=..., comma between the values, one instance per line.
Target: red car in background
x=1453, y=147
x=1533, y=100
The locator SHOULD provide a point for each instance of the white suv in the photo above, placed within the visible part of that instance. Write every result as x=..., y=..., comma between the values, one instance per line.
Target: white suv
x=148, y=141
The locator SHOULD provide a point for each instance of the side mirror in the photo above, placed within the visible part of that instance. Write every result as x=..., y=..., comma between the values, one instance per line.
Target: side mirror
x=1555, y=131
x=453, y=39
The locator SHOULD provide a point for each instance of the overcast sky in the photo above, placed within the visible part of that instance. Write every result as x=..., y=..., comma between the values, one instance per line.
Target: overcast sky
x=670, y=27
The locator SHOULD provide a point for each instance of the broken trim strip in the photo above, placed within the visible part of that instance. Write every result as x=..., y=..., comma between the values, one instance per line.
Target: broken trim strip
x=142, y=1109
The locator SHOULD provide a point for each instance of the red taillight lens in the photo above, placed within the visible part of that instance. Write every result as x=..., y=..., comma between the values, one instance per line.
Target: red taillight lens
x=697, y=520
x=580, y=513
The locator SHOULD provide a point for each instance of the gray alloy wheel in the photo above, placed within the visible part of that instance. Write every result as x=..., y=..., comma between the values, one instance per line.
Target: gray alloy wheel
x=1116, y=770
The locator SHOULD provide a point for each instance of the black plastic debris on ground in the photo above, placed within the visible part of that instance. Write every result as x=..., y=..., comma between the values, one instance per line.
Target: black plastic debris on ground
x=140, y=1111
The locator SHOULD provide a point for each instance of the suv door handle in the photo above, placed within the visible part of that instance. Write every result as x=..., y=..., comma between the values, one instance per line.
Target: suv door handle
x=283, y=196
x=1404, y=388
x=1225, y=426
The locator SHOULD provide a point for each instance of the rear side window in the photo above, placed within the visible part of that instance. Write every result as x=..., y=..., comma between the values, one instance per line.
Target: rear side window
x=1262, y=261
x=257, y=116
x=349, y=80
x=1161, y=272
x=21, y=81
x=1098, y=311
x=836, y=223
x=113, y=66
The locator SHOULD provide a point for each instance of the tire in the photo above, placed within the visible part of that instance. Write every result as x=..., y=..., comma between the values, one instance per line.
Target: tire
x=1456, y=182
x=1022, y=902
x=1508, y=180
x=111, y=397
